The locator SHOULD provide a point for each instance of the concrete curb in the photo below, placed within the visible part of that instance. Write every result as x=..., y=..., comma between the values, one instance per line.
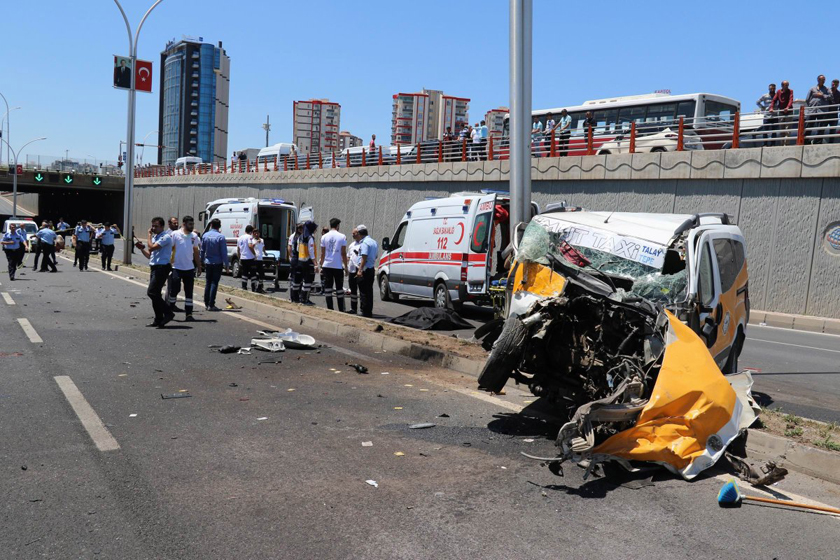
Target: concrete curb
x=795, y=456
x=796, y=322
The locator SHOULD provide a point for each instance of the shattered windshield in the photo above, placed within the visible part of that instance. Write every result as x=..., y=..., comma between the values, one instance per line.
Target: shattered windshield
x=644, y=280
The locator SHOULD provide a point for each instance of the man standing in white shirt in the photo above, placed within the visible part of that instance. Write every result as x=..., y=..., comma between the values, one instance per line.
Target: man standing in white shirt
x=247, y=258
x=186, y=265
x=353, y=260
x=259, y=251
x=333, y=263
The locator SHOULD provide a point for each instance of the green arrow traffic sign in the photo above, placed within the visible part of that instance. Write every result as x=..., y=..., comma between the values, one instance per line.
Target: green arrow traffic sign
x=39, y=177
x=68, y=179
x=97, y=181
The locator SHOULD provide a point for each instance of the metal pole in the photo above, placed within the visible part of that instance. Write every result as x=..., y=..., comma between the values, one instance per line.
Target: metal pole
x=8, y=132
x=520, y=111
x=129, y=163
x=14, y=177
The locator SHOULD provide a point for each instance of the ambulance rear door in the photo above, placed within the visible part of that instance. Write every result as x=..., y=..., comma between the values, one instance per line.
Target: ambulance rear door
x=479, y=250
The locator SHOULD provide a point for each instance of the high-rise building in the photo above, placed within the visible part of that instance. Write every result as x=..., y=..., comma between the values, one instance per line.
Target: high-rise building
x=347, y=140
x=416, y=117
x=495, y=119
x=194, y=101
x=316, y=125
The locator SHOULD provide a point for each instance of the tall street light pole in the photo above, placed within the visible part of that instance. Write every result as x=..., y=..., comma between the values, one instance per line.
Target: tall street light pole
x=129, y=163
x=143, y=151
x=8, y=132
x=2, y=124
x=521, y=21
x=14, y=177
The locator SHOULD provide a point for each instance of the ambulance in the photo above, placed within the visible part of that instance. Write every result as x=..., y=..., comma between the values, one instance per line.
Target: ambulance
x=274, y=217
x=447, y=249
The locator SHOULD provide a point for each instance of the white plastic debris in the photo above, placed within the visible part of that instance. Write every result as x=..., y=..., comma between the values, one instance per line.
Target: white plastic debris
x=291, y=339
x=367, y=444
x=132, y=416
x=528, y=440
x=268, y=344
x=373, y=483
x=263, y=418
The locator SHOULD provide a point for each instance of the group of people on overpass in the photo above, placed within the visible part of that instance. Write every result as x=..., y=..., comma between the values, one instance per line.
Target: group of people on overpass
x=822, y=113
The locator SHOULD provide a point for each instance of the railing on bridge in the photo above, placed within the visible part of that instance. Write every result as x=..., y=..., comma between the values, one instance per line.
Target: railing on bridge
x=796, y=127
x=60, y=164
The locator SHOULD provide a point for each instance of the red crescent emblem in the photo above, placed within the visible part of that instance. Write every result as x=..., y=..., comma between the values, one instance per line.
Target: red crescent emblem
x=462, y=234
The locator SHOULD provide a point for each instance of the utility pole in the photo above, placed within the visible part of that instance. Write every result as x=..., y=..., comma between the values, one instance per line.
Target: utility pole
x=521, y=21
x=267, y=127
x=129, y=160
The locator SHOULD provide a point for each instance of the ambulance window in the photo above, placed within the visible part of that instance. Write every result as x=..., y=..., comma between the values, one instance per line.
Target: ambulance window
x=706, y=287
x=726, y=264
x=399, y=236
x=480, y=237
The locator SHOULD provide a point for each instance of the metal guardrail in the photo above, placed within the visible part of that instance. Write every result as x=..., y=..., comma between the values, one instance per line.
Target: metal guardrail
x=797, y=126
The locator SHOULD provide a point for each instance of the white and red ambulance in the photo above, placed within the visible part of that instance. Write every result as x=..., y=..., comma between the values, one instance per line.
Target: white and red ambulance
x=447, y=249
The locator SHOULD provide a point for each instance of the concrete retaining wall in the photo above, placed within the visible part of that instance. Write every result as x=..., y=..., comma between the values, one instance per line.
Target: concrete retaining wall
x=784, y=218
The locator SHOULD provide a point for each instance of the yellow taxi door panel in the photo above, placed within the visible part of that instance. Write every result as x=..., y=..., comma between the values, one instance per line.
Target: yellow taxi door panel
x=732, y=273
x=707, y=286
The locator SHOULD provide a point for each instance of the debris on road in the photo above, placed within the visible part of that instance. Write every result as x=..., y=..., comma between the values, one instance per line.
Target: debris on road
x=292, y=339
x=132, y=416
x=399, y=454
x=421, y=426
x=444, y=415
x=231, y=304
x=358, y=367
x=730, y=495
x=263, y=418
x=244, y=351
x=367, y=444
x=271, y=362
x=373, y=483
x=175, y=396
x=228, y=349
x=432, y=319
x=268, y=344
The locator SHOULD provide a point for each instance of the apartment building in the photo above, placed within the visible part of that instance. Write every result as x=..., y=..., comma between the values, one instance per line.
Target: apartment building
x=416, y=117
x=348, y=140
x=495, y=119
x=316, y=125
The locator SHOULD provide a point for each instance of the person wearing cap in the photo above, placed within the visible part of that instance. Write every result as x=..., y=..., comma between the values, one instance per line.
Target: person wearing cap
x=105, y=235
x=368, y=250
x=302, y=258
x=82, y=236
x=333, y=263
x=14, y=245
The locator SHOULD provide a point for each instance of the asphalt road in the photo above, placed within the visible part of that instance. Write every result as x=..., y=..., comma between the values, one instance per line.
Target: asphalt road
x=267, y=460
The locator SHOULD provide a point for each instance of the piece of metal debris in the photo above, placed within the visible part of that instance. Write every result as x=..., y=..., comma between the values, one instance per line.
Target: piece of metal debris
x=373, y=483
x=229, y=349
x=358, y=367
x=421, y=426
x=175, y=396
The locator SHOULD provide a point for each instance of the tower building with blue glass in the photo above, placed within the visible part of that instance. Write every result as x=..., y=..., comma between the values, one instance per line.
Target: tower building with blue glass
x=194, y=101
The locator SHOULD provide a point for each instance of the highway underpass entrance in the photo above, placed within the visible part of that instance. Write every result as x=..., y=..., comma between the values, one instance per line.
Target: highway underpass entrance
x=69, y=196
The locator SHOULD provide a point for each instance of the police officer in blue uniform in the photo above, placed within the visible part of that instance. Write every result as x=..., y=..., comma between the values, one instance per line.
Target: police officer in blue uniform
x=14, y=244
x=105, y=235
x=82, y=236
x=159, y=252
x=46, y=241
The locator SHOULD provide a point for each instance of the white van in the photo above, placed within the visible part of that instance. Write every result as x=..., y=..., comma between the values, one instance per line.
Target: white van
x=28, y=225
x=447, y=249
x=274, y=217
x=187, y=162
x=270, y=154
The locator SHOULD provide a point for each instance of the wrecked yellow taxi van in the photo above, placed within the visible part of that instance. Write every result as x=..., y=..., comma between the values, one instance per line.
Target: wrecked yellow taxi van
x=631, y=324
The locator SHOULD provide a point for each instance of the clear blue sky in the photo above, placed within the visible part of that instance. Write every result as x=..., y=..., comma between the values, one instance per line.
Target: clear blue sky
x=57, y=58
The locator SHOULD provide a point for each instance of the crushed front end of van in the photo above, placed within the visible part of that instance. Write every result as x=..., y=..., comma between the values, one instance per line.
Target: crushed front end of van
x=598, y=334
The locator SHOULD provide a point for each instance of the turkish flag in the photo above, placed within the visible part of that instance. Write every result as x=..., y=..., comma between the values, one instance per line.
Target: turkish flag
x=143, y=75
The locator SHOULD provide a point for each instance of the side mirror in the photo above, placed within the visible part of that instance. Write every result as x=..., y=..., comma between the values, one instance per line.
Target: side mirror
x=386, y=244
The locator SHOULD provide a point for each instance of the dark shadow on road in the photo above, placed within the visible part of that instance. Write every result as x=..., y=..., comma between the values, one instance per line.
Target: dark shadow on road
x=763, y=399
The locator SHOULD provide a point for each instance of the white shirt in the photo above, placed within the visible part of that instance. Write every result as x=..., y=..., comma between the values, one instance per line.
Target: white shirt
x=245, y=252
x=182, y=249
x=354, y=259
x=331, y=244
x=259, y=249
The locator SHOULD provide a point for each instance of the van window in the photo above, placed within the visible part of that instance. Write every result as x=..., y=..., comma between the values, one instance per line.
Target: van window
x=727, y=263
x=480, y=237
x=399, y=236
x=706, y=287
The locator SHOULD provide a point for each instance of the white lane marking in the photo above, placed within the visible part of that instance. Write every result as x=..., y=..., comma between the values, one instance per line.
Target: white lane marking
x=7, y=298
x=796, y=345
x=90, y=420
x=753, y=325
x=30, y=331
